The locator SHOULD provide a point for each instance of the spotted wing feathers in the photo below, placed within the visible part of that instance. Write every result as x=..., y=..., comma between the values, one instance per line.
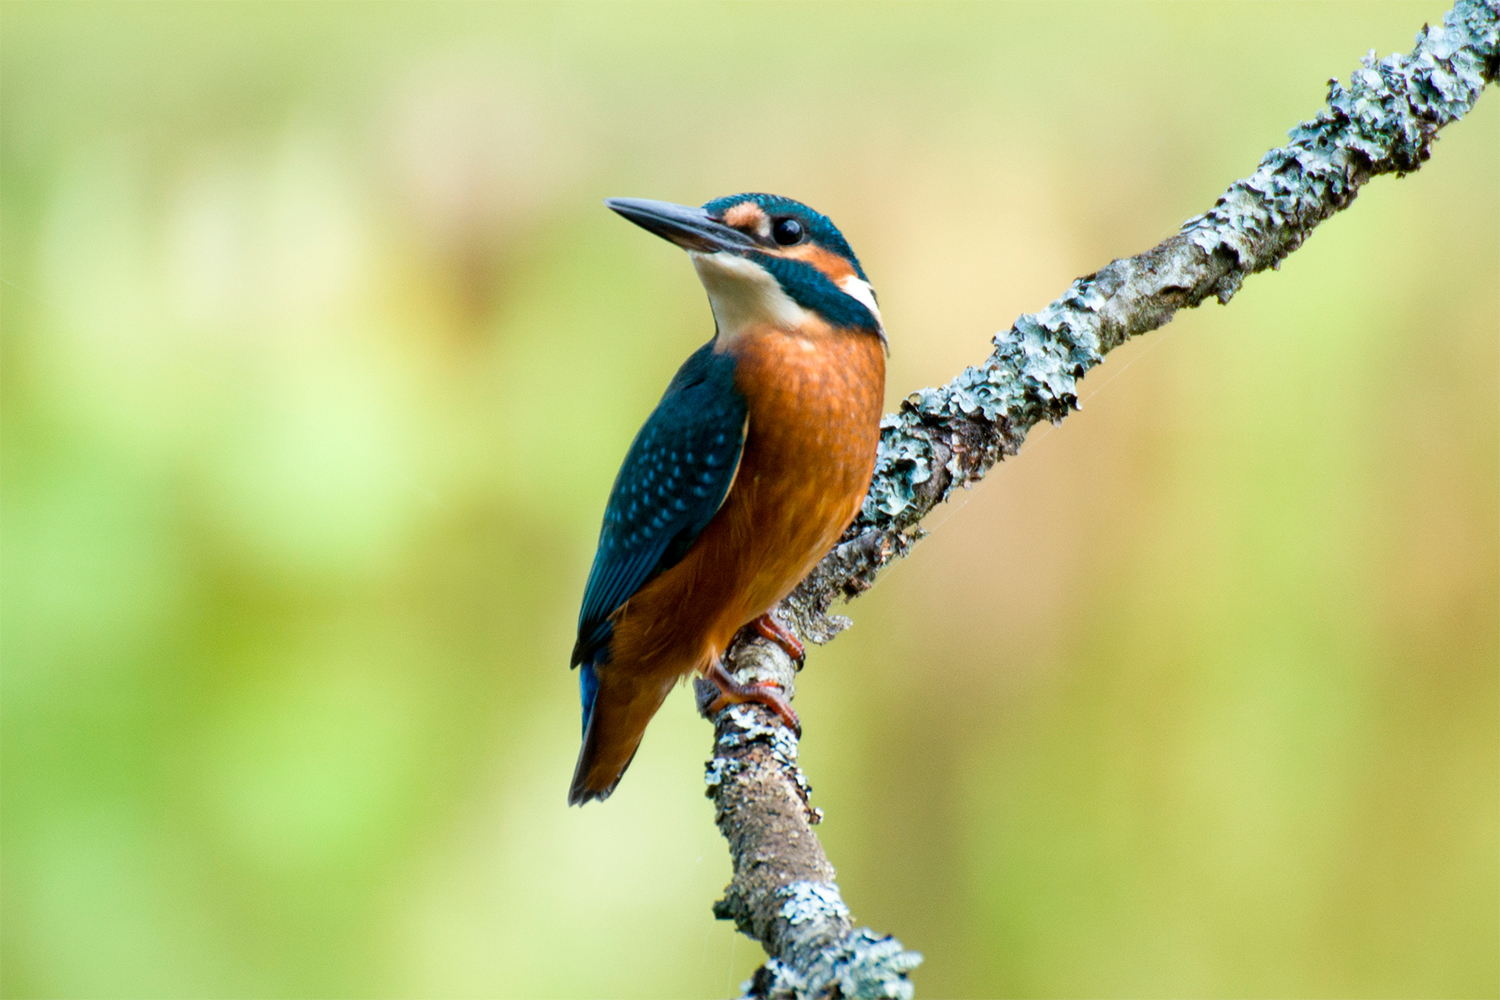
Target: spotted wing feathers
x=675, y=477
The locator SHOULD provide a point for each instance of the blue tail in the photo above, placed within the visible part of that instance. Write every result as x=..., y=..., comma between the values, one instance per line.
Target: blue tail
x=616, y=710
x=588, y=690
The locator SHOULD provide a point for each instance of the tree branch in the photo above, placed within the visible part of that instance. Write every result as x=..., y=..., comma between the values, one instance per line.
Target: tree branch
x=1385, y=121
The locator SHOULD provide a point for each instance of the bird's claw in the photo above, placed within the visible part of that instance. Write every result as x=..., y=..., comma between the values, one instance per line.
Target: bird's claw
x=767, y=627
x=767, y=693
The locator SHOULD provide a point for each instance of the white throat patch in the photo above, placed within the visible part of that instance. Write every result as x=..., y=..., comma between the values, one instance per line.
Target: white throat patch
x=743, y=294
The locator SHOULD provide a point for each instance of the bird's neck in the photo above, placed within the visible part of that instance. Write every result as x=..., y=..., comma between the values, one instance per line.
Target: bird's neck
x=745, y=297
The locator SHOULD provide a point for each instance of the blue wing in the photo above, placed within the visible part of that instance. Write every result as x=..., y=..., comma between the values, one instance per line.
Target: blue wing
x=675, y=477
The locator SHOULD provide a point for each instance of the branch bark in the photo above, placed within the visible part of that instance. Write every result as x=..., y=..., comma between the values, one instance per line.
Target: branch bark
x=783, y=892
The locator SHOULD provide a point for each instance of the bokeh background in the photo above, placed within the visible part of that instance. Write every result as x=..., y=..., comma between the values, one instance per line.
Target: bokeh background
x=320, y=355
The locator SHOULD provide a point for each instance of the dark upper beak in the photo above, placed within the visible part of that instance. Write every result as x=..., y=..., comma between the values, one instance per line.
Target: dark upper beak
x=689, y=228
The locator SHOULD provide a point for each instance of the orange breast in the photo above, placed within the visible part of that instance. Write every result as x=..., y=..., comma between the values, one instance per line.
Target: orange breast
x=815, y=405
x=814, y=425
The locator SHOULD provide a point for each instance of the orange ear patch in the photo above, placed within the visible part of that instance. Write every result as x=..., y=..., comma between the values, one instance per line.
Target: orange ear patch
x=831, y=264
x=747, y=215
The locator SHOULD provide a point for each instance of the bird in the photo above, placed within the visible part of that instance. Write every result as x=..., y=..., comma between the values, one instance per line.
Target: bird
x=752, y=465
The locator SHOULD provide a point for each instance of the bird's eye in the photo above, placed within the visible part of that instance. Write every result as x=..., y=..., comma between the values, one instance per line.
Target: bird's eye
x=787, y=231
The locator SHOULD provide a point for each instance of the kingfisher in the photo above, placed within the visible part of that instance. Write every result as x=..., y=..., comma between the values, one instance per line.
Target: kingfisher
x=744, y=476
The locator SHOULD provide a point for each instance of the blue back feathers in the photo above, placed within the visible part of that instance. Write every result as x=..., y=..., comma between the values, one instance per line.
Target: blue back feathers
x=674, y=478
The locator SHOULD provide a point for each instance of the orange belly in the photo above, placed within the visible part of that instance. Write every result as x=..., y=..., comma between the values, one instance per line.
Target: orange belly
x=815, y=405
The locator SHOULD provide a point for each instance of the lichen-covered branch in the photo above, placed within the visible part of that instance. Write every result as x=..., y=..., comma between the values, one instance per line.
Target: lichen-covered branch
x=783, y=893
x=1384, y=121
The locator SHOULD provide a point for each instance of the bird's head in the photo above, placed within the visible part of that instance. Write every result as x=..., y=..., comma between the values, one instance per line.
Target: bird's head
x=765, y=260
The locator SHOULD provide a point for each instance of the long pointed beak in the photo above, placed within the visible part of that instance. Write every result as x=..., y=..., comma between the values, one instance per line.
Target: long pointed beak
x=690, y=228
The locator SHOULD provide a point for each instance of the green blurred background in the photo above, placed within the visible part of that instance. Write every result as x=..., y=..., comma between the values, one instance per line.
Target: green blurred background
x=320, y=355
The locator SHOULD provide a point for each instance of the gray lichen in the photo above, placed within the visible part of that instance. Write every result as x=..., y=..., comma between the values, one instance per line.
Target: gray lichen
x=860, y=963
x=1385, y=121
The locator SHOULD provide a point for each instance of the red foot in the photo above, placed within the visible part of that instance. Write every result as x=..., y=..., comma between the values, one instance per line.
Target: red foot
x=768, y=627
x=732, y=692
